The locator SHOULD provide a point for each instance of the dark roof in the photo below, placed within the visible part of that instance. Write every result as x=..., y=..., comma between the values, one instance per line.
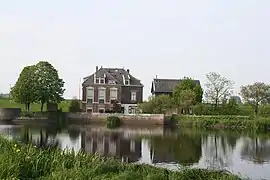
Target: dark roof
x=166, y=85
x=115, y=74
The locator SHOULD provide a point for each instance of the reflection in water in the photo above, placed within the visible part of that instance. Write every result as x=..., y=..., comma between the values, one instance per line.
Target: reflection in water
x=235, y=152
x=256, y=150
x=181, y=148
x=112, y=144
x=218, y=150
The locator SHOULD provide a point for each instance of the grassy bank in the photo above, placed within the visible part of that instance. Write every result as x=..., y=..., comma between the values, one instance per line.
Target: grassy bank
x=221, y=121
x=28, y=162
x=7, y=103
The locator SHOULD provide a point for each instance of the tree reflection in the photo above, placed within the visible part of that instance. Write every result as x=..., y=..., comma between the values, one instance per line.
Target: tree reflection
x=42, y=138
x=181, y=148
x=256, y=150
x=74, y=134
x=218, y=150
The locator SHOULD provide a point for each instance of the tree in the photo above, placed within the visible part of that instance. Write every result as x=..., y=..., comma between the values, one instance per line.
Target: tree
x=184, y=99
x=189, y=84
x=24, y=91
x=50, y=86
x=158, y=104
x=256, y=94
x=75, y=105
x=218, y=88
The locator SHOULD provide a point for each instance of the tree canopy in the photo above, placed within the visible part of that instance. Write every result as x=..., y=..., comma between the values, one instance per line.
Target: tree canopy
x=256, y=94
x=38, y=83
x=189, y=84
x=218, y=88
x=24, y=91
x=50, y=86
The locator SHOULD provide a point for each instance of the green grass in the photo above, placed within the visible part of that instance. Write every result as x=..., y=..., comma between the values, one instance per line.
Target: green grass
x=224, y=122
x=7, y=103
x=27, y=162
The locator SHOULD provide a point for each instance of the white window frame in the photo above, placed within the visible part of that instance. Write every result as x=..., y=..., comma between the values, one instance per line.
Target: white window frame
x=90, y=96
x=101, y=79
x=104, y=98
x=133, y=94
x=96, y=80
x=116, y=91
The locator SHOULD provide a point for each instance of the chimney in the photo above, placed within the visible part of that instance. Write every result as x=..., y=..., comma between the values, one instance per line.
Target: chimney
x=96, y=68
x=128, y=71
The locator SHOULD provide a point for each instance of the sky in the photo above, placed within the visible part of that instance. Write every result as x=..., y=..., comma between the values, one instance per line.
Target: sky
x=163, y=38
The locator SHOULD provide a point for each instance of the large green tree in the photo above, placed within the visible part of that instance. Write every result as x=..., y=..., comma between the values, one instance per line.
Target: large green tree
x=50, y=87
x=158, y=104
x=256, y=94
x=218, y=88
x=189, y=84
x=184, y=99
x=24, y=91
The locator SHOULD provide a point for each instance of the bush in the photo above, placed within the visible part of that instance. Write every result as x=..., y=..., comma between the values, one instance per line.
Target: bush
x=113, y=122
x=75, y=106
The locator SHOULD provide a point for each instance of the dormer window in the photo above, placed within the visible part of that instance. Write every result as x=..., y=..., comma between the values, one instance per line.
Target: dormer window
x=102, y=80
x=126, y=82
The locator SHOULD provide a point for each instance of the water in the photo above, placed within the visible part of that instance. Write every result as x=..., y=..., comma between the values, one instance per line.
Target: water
x=245, y=154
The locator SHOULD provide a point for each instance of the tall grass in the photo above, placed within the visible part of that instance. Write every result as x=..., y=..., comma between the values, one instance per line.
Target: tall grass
x=28, y=162
x=224, y=121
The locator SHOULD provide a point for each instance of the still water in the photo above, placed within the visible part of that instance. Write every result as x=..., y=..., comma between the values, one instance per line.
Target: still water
x=244, y=154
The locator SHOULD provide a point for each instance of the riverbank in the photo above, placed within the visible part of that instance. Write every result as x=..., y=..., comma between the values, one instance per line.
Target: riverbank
x=223, y=122
x=21, y=162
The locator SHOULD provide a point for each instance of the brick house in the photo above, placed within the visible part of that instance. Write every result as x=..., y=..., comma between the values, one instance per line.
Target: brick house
x=165, y=86
x=111, y=84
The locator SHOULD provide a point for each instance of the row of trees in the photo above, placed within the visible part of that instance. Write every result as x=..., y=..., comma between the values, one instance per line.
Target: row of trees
x=218, y=93
x=38, y=83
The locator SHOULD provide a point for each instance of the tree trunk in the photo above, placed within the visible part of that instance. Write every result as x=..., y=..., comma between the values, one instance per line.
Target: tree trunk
x=42, y=105
x=28, y=107
x=256, y=109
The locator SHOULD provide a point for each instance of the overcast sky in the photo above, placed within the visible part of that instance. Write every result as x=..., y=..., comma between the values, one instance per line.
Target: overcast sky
x=168, y=38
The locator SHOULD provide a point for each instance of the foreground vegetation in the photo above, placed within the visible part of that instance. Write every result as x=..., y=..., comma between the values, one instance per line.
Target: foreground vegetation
x=28, y=162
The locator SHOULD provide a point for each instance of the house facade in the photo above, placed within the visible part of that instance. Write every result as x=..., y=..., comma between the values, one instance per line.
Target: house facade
x=108, y=85
x=165, y=86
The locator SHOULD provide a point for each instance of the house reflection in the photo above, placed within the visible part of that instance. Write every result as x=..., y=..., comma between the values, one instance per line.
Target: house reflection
x=111, y=144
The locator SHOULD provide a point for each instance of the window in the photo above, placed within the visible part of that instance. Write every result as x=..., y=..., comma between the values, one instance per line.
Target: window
x=101, y=95
x=126, y=82
x=102, y=81
x=113, y=93
x=90, y=95
x=97, y=81
x=90, y=110
x=101, y=110
x=133, y=96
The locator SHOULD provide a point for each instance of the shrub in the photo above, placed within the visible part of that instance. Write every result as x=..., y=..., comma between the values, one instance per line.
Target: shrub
x=75, y=106
x=113, y=122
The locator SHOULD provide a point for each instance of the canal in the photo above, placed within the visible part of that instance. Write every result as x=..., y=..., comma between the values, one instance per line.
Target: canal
x=247, y=154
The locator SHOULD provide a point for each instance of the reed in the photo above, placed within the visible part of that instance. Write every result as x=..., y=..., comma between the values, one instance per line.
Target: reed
x=28, y=162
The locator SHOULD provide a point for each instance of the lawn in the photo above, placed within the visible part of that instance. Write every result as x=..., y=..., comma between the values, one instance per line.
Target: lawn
x=7, y=103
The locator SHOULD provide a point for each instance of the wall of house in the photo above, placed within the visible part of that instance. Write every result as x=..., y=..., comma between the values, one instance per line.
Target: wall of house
x=136, y=119
x=126, y=94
